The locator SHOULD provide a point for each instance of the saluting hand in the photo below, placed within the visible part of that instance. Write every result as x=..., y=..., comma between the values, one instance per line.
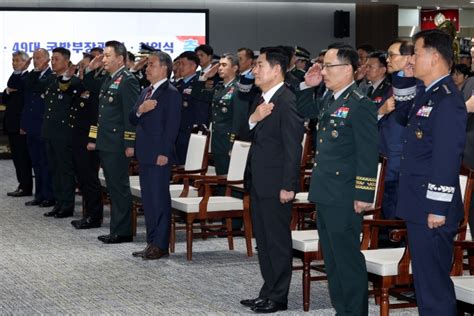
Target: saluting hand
x=147, y=106
x=435, y=221
x=140, y=64
x=261, y=112
x=211, y=72
x=96, y=62
x=313, y=76
x=286, y=196
x=360, y=206
x=408, y=70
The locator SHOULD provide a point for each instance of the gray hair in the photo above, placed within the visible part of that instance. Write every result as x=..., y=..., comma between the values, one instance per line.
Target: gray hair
x=24, y=56
x=233, y=58
x=43, y=50
x=164, y=59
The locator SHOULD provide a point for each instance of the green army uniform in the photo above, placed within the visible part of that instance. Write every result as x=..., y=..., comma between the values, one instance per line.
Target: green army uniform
x=345, y=171
x=58, y=97
x=226, y=119
x=114, y=134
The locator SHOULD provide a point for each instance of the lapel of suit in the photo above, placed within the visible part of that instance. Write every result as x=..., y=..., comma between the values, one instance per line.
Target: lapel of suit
x=160, y=90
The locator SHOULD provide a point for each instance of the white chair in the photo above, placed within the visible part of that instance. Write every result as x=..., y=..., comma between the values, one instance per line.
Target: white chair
x=193, y=209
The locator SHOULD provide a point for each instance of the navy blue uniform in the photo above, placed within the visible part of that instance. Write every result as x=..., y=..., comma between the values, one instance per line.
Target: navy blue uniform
x=31, y=122
x=156, y=135
x=433, y=142
x=194, y=111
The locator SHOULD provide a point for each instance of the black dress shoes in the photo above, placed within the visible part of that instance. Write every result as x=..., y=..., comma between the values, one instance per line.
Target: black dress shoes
x=33, y=202
x=114, y=239
x=155, y=253
x=47, y=203
x=53, y=212
x=253, y=302
x=19, y=193
x=64, y=214
x=269, y=307
x=85, y=223
x=141, y=253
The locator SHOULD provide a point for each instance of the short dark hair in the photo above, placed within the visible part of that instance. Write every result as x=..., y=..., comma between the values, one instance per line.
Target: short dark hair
x=189, y=55
x=288, y=51
x=63, y=51
x=406, y=46
x=347, y=54
x=438, y=40
x=248, y=52
x=276, y=56
x=164, y=59
x=131, y=56
x=462, y=68
x=366, y=48
x=97, y=49
x=206, y=49
x=119, y=49
x=380, y=56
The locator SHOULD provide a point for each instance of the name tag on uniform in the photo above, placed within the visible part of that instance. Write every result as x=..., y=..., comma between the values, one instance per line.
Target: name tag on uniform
x=424, y=111
x=341, y=112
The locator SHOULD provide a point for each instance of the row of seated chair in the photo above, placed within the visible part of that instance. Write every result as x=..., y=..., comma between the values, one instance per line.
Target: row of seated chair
x=193, y=201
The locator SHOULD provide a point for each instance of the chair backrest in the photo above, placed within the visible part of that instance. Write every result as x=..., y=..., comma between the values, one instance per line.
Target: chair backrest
x=379, y=186
x=197, y=152
x=238, y=160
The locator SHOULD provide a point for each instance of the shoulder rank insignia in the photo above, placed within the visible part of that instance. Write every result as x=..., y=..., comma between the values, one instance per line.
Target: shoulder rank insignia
x=357, y=94
x=446, y=89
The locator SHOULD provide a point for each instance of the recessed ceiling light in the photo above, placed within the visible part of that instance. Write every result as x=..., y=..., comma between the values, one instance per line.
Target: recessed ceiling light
x=438, y=7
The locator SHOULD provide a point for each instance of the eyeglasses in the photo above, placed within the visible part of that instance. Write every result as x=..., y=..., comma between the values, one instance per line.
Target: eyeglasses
x=331, y=66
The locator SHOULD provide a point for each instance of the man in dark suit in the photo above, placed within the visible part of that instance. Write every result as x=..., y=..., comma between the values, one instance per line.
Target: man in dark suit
x=13, y=99
x=344, y=175
x=31, y=124
x=156, y=114
x=429, y=197
x=276, y=131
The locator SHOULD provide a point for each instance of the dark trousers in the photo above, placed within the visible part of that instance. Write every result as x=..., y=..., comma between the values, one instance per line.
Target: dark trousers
x=339, y=231
x=155, y=191
x=432, y=252
x=471, y=218
x=182, y=142
x=86, y=166
x=271, y=226
x=390, y=196
x=115, y=165
x=39, y=161
x=21, y=161
x=61, y=167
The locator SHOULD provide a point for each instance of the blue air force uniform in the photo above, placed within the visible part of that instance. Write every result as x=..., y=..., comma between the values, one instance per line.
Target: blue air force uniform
x=433, y=142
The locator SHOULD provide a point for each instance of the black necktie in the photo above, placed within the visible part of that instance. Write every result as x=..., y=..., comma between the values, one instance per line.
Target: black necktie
x=370, y=91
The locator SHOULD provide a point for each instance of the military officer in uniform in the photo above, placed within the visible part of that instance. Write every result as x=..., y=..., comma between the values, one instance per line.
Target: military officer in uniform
x=31, y=123
x=429, y=197
x=115, y=137
x=344, y=174
x=59, y=96
x=84, y=113
x=195, y=111
x=226, y=117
